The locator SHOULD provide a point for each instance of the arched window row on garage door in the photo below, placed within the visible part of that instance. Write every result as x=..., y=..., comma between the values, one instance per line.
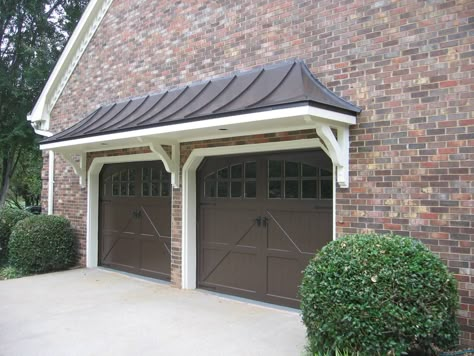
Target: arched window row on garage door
x=285, y=180
x=153, y=182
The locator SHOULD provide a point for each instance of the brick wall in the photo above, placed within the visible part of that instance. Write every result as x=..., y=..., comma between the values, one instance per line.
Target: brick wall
x=408, y=64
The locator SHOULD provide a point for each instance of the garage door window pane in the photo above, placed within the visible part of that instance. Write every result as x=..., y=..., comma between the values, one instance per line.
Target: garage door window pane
x=325, y=173
x=116, y=188
x=274, y=189
x=274, y=169
x=146, y=189
x=165, y=189
x=223, y=173
x=250, y=190
x=250, y=170
x=146, y=174
x=236, y=189
x=326, y=189
x=309, y=171
x=155, y=189
x=309, y=189
x=123, y=188
x=155, y=174
x=210, y=189
x=291, y=189
x=291, y=169
x=131, y=188
x=222, y=189
x=236, y=171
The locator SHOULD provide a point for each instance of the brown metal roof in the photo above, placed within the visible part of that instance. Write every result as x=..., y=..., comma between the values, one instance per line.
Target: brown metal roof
x=269, y=87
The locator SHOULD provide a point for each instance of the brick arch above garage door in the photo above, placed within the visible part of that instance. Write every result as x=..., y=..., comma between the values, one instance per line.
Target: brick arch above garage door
x=261, y=217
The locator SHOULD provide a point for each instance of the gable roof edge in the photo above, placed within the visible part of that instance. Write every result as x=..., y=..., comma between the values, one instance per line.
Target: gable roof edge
x=62, y=71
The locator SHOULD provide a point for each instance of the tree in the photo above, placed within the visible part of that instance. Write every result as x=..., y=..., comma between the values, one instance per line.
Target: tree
x=25, y=185
x=32, y=35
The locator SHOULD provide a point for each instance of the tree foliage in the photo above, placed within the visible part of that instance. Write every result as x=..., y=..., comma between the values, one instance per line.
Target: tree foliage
x=32, y=35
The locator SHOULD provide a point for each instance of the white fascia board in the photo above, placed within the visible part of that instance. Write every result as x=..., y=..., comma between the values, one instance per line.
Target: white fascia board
x=228, y=121
x=80, y=38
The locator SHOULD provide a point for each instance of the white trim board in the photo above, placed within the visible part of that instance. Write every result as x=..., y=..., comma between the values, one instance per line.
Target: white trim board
x=189, y=203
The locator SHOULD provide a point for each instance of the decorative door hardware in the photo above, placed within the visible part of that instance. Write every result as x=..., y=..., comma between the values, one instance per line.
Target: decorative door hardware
x=261, y=220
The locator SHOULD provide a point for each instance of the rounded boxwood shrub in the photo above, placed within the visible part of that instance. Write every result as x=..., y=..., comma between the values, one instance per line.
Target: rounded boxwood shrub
x=8, y=219
x=42, y=243
x=378, y=295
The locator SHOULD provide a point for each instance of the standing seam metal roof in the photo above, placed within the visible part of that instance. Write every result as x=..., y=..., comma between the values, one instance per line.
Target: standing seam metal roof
x=266, y=88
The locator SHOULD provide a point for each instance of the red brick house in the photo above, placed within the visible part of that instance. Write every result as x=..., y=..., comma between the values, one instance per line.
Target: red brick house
x=218, y=144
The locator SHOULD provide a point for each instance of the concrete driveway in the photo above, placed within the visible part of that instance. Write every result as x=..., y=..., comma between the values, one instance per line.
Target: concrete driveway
x=98, y=312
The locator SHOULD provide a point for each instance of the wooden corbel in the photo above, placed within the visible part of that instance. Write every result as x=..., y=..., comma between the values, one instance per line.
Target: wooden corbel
x=171, y=163
x=79, y=167
x=337, y=147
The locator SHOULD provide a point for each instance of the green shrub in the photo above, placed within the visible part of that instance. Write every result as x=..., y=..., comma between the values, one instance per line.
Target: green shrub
x=9, y=272
x=8, y=219
x=378, y=295
x=42, y=243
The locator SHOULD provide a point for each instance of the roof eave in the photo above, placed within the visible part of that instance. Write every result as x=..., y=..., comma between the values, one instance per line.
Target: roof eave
x=238, y=125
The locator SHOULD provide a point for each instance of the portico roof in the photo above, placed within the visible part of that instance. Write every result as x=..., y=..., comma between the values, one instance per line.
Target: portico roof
x=274, y=98
x=278, y=86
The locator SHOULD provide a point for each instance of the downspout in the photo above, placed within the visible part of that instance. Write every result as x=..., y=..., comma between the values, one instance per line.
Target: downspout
x=50, y=170
x=51, y=182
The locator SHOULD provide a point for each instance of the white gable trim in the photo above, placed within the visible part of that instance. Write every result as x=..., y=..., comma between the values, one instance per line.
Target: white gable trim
x=78, y=42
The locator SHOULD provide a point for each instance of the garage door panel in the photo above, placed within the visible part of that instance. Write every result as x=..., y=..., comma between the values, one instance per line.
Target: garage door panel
x=156, y=219
x=233, y=271
x=232, y=226
x=155, y=255
x=282, y=273
x=118, y=218
x=122, y=250
x=299, y=230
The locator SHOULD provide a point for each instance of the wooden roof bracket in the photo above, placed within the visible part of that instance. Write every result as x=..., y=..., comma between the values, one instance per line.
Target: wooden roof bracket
x=79, y=167
x=171, y=163
x=337, y=145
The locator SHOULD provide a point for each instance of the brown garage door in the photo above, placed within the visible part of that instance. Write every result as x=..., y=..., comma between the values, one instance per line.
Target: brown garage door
x=261, y=218
x=135, y=222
